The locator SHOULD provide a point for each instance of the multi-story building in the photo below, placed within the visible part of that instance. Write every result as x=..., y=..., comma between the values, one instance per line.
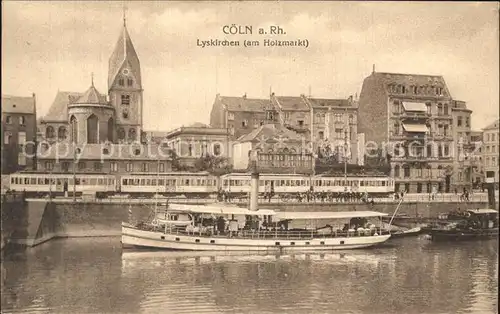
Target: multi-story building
x=240, y=115
x=411, y=117
x=463, y=147
x=321, y=121
x=491, y=149
x=476, y=156
x=198, y=140
x=18, y=133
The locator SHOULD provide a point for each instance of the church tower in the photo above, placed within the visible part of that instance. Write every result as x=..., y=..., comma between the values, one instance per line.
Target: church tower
x=125, y=88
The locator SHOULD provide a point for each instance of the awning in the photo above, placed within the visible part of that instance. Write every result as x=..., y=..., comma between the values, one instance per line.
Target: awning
x=414, y=106
x=327, y=215
x=219, y=209
x=417, y=128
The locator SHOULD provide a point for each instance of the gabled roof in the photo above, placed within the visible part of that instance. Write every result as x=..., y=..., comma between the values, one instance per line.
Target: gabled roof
x=16, y=104
x=411, y=79
x=270, y=131
x=124, y=52
x=323, y=102
x=58, y=111
x=288, y=103
x=91, y=96
x=244, y=103
x=492, y=126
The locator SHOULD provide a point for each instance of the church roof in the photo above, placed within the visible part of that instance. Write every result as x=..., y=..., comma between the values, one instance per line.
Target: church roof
x=124, y=53
x=270, y=132
x=91, y=96
x=492, y=126
x=58, y=111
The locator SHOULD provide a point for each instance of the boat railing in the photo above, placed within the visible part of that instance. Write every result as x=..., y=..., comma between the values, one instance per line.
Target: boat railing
x=267, y=234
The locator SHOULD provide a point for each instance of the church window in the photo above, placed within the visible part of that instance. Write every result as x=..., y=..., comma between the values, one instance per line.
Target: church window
x=125, y=99
x=74, y=129
x=130, y=82
x=92, y=129
x=121, y=82
x=111, y=129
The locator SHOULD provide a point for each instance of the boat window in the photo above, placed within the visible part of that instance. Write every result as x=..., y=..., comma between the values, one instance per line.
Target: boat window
x=153, y=182
x=40, y=181
x=142, y=182
x=77, y=181
x=33, y=181
x=162, y=182
x=187, y=181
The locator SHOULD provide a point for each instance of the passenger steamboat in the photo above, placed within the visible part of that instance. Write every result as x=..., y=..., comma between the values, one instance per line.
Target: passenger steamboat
x=219, y=227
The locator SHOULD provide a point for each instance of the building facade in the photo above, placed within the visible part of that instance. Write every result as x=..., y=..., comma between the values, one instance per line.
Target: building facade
x=92, y=117
x=463, y=161
x=476, y=140
x=411, y=117
x=18, y=133
x=491, y=150
x=323, y=122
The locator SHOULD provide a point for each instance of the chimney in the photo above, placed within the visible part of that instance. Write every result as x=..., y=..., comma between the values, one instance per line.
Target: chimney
x=350, y=99
x=373, y=70
x=245, y=96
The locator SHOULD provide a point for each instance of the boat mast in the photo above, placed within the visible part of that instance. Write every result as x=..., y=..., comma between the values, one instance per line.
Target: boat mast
x=395, y=211
x=345, y=146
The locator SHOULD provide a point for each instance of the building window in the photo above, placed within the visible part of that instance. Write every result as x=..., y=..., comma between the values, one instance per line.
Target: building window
x=351, y=119
x=21, y=140
x=467, y=122
x=132, y=135
x=49, y=165
x=121, y=82
x=217, y=149
x=230, y=116
x=130, y=82
x=445, y=130
x=396, y=171
x=74, y=129
x=65, y=166
x=61, y=133
x=244, y=123
x=114, y=166
x=459, y=121
x=7, y=137
x=406, y=171
x=129, y=167
x=22, y=120
x=396, y=128
x=121, y=133
x=419, y=187
x=418, y=170
x=445, y=109
x=440, y=109
x=50, y=133
x=97, y=166
x=125, y=99
x=145, y=167
x=429, y=108
x=321, y=135
x=395, y=107
x=81, y=165
x=301, y=123
x=446, y=150
x=8, y=119
x=125, y=113
x=162, y=167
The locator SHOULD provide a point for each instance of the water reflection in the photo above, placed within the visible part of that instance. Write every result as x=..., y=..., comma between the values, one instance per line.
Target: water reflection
x=95, y=275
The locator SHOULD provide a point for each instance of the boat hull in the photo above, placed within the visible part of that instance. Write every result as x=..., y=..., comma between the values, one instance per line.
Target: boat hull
x=465, y=235
x=133, y=237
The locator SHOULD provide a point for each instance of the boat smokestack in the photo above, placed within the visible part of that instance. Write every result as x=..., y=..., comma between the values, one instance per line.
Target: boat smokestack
x=490, y=185
x=254, y=183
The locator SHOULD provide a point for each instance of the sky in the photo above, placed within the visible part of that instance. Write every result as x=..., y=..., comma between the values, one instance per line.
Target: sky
x=56, y=45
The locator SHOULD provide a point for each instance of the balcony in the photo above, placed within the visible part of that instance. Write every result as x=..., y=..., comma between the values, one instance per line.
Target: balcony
x=409, y=136
x=414, y=115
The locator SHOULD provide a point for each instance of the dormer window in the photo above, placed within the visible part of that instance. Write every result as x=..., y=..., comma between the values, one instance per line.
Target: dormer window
x=130, y=82
x=121, y=82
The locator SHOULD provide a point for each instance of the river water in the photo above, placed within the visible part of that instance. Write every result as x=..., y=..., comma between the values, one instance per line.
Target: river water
x=93, y=275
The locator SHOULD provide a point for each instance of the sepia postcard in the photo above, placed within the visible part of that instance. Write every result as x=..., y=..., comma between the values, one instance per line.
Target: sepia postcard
x=250, y=157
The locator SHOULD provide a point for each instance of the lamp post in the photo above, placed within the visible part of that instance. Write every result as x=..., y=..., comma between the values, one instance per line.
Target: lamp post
x=74, y=173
